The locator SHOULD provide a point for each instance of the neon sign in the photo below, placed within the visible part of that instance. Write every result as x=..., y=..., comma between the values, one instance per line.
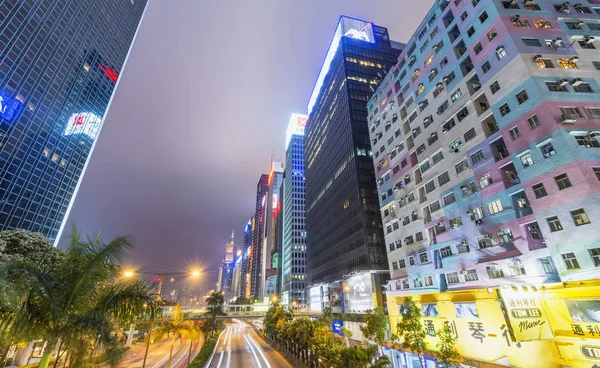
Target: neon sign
x=296, y=126
x=10, y=108
x=83, y=123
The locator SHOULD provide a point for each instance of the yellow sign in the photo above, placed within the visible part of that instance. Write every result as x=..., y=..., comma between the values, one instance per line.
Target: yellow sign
x=525, y=314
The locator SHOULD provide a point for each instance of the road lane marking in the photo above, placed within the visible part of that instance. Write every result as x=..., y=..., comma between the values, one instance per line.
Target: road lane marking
x=260, y=351
x=220, y=360
x=213, y=354
x=228, y=358
x=252, y=350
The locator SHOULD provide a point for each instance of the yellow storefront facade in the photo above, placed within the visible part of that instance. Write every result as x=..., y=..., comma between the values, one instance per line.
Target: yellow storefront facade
x=555, y=325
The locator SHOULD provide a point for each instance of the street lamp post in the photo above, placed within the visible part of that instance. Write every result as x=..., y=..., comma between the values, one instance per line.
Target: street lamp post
x=161, y=276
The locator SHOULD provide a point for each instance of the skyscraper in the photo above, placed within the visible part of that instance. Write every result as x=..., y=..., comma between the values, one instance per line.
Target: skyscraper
x=270, y=252
x=255, y=261
x=343, y=225
x=245, y=278
x=59, y=64
x=293, y=283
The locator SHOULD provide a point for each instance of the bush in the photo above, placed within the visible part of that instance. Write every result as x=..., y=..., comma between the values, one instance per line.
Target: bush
x=204, y=354
x=103, y=357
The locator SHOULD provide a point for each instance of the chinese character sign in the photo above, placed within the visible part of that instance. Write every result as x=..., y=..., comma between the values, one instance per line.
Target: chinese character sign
x=524, y=311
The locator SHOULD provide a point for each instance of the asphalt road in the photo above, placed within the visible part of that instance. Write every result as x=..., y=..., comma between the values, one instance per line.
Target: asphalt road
x=241, y=347
x=158, y=354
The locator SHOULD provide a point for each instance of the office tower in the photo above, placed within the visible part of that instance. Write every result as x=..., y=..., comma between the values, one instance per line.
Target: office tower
x=256, y=254
x=270, y=253
x=488, y=168
x=237, y=280
x=243, y=293
x=59, y=65
x=230, y=249
x=294, y=232
x=343, y=225
x=227, y=268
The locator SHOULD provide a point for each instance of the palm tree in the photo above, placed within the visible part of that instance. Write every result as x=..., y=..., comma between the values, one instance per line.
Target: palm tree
x=79, y=300
x=177, y=327
x=215, y=308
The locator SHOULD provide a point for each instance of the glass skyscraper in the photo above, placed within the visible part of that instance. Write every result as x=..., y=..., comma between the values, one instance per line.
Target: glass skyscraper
x=60, y=61
x=344, y=231
x=294, y=231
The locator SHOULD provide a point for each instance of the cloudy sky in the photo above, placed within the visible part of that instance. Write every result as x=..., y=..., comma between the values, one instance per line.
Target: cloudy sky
x=203, y=102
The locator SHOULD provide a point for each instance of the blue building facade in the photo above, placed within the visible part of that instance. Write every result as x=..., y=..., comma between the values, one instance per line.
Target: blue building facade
x=60, y=61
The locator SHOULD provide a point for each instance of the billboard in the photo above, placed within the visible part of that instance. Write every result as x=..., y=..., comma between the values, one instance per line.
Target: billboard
x=315, y=299
x=296, y=126
x=10, y=108
x=359, y=293
x=525, y=315
x=86, y=123
x=271, y=287
x=336, y=297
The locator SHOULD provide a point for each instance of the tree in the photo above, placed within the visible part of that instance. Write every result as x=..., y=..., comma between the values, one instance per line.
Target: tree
x=275, y=317
x=215, y=303
x=177, y=327
x=78, y=299
x=447, y=355
x=409, y=328
x=302, y=330
x=376, y=326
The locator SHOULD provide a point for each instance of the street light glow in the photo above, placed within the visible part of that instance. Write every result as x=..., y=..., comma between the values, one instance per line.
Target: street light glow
x=128, y=273
x=195, y=273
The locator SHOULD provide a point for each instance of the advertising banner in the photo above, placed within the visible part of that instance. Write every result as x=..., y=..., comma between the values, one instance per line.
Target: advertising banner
x=271, y=287
x=335, y=297
x=315, y=299
x=525, y=314
x=359, y=293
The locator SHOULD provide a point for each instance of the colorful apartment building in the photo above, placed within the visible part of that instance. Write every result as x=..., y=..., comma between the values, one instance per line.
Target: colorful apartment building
x=486, y=145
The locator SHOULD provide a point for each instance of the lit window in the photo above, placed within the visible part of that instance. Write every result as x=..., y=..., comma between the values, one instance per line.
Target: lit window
x=543, y=63
x=500, y=52
x=554, y=224
x=485, y=180
x=429, y=60
x=542, y=24
x=570, y=261
x=580, y=217
x=548, y=150
x=456, y=95
x=420, y=89
x=492, y=34
x=495, y=207
x=521, y=23
x=505, y=236
x=86, y=67
x=566, y=64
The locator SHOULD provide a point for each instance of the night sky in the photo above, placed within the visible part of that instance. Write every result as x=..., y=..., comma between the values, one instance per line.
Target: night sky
x=202, y=104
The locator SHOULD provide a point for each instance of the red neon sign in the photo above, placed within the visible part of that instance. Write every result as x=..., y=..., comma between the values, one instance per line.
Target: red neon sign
x=110, y=72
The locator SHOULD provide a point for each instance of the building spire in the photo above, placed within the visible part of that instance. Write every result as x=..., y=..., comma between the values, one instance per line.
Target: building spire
x=232, y=236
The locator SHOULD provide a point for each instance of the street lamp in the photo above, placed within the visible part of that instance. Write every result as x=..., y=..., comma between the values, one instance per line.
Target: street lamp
x=161, y=276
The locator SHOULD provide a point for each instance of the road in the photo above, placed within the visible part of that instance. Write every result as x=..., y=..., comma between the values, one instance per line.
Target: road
x=241, y=347
x=158, y=354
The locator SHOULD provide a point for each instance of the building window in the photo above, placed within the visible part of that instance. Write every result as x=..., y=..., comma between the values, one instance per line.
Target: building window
x=494, y=87
x=394, y=265
x=471, y=31
x=478, y=48
x=531, y=42
x=500, y=52
x=444, y=178
x=566, y=64
x=548, y=150
x=516, y=268
x=534, y=231
x=593, y=112
x=446, y=252
x=531, y=6
x=485, y=180
x=505, y=236
x=452, y=278
x=392, y=247
x=562, y=181
x=554, y=224
x=580, y=217
x=543, y=63
x=486, y=67
x=495, y=272
x=420, y=89
x=462, y=247
x=461, y=166
x=539, y=190
x=542, y=24
x=596, y=64
x=483, y=17
x=471, y=275
x=595, y=254
x=597, y=172
x=495, y=207
x=485, y=241
x=456, y=95
x=555, y=87
x=455, y=222
x=520, y=23
x=583, y=87
x=477, y=156
x=522, y=97
x=514, y=133
x=571, y=112
x=423, y=258
x=504, y=109
x=419, y=236
x=570, y=261
x=492, y=34
x=470, y=134
x=534, y=122
x=402, y=263
x=526, y=159
x=449, y=199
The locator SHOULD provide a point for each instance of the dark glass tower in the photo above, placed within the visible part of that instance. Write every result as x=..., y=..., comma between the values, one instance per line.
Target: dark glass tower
x=245, y=257
x=60, y=61
x=343, y=224
x=255, y=262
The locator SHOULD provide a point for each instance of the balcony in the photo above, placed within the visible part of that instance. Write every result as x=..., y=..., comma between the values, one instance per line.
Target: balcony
x=448, y=19
x=481, y=105
x=466, y=66
x=459, y=50
x=489, y=126
x=521, y=204
x=499, y=150
x=509, y=176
